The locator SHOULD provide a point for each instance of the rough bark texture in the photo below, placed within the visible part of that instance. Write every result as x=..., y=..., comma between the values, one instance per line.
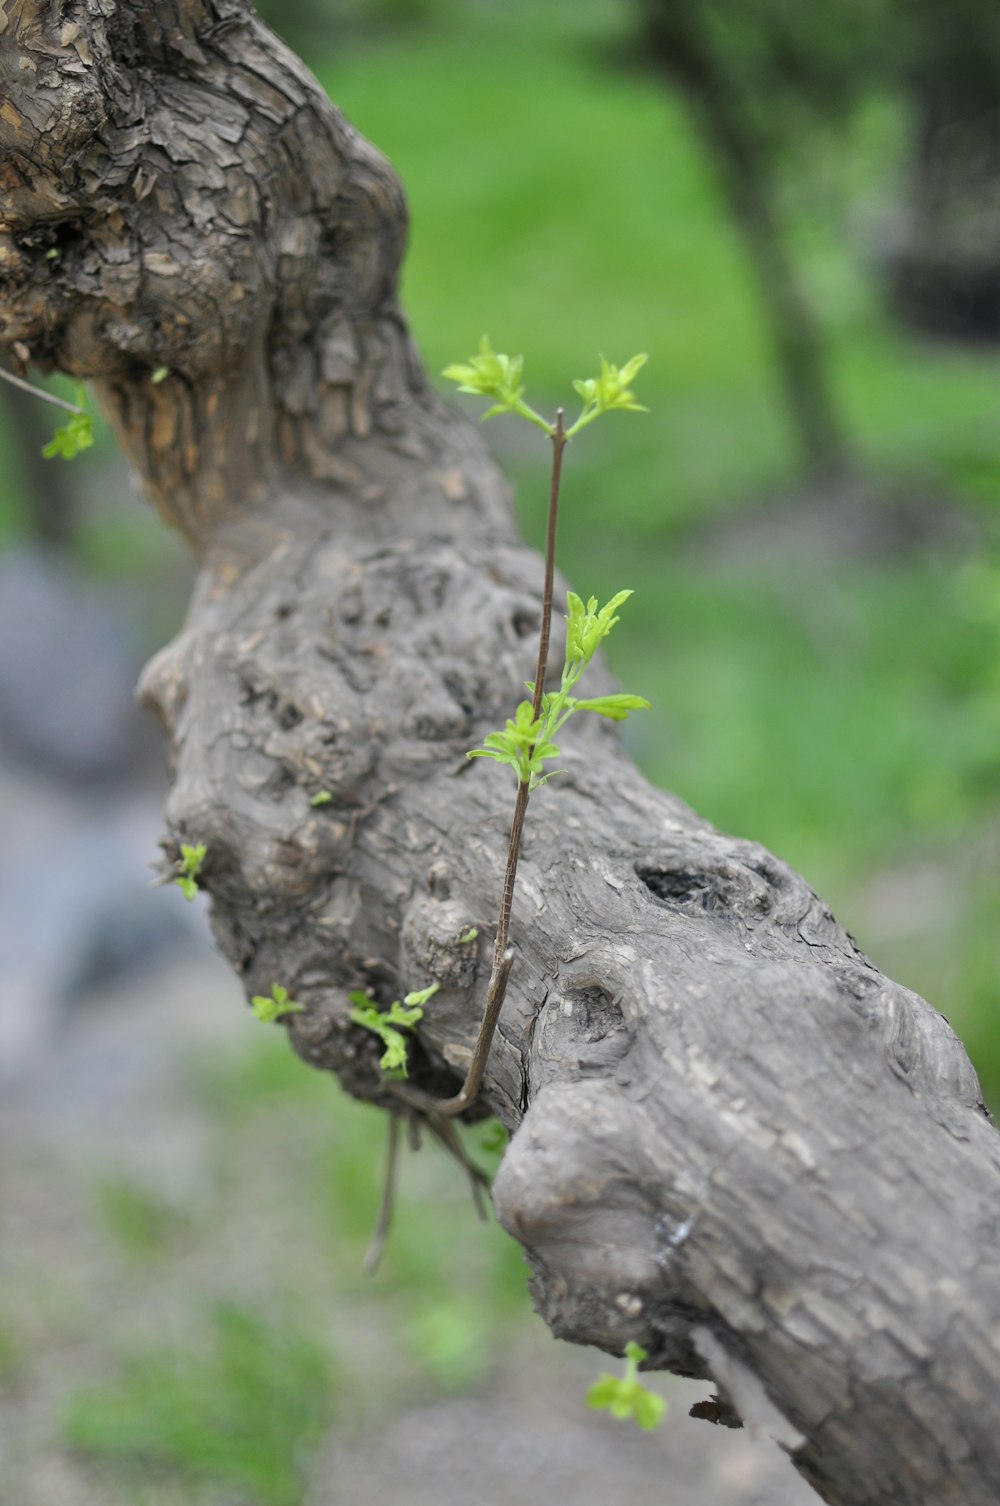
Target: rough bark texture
x=735, y=1140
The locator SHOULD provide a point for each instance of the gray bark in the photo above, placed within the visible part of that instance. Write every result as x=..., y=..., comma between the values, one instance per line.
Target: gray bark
x=735, y=1140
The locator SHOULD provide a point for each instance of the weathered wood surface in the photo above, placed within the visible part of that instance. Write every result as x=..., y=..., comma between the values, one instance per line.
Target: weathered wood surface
x=736, y=1141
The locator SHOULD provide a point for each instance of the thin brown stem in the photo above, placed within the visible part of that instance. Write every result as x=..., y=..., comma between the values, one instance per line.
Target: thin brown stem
x=503, y=953
x=558, y=445
x=373, y=1257
x=46, y=397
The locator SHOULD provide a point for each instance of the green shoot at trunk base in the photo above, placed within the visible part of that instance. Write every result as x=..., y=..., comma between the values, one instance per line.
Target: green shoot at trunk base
x=388, y=1024
x=189, y=865
x=271, y=1007
x=625, y=1396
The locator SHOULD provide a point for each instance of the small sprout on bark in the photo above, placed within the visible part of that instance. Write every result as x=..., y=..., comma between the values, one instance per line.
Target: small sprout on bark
x=271, y=1007
x=625, y=1396
x=322, y=797
x=527, y=743
x=388, y=1025
x=73, y=436
x=467, y=937
x=160, y=375
x=189, y=866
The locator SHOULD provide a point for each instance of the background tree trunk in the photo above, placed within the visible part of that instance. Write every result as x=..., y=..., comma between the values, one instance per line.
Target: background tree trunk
x=678, y=45
x=944, y=265
x=736, y=1141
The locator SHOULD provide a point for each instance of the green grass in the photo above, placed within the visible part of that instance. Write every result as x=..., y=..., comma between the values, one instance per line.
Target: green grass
x=574, y=200
x=241, y=1409
x=470, y=1275
x=140, y=1220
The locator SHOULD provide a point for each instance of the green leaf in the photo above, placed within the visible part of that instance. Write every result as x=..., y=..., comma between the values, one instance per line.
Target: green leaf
x=615, y=707
x=160, y=375
x=269, y=1008
x=384, y=1023
x=73, y=436
x=588, y=626
x=422, y=996
x=189, y=866
x=489, y=375
x=322, y=797
x=626, y=1396
x=603, y=1392
x=612, y=389
x=648, y=1408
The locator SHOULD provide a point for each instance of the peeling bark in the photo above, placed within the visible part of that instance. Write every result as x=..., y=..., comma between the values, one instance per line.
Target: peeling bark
x=736, y=1141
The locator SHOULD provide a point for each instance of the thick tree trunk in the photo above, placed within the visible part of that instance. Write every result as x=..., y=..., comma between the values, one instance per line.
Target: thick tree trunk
x=735, y=1141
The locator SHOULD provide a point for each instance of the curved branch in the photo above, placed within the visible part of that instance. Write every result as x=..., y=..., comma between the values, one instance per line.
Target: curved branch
x=736, y=1142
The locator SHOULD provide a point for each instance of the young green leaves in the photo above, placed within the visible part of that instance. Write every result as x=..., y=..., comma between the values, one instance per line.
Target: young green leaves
x=496, y=376
x=609, y=390
x=527, y=742
x=189, y=866
x=523, y=745
x=76, y=434
x=492, y=375
x=269, y=1008
x=625, y=1396
x=388, y=1024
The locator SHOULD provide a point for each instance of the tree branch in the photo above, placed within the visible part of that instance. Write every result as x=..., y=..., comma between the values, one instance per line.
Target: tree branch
x=735, y=1141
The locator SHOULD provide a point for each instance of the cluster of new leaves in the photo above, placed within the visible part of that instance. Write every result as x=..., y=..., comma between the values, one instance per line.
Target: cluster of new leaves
x=388, y=1024
x=625, y=1396
x=609, y=390
x=498, y=376
x=189, y=867
x=527, y=741
x=271, y=1007
x=73, y=436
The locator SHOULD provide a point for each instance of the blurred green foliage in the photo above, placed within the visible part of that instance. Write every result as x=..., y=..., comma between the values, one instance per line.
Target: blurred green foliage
x=274, y=1345
x=140, y=1219
x=842, y=709
x=240, y=1407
